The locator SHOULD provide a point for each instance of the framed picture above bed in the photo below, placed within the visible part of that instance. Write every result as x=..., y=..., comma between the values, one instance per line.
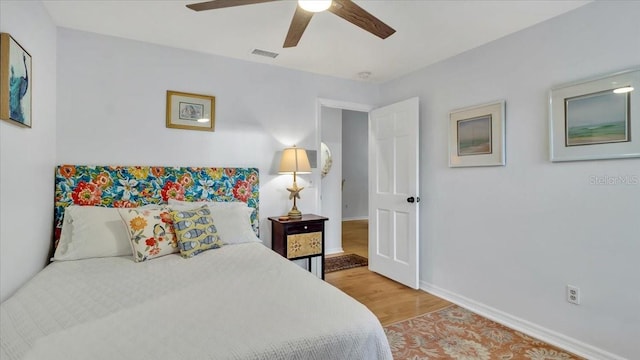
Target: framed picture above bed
x=191, y=111
x=15, y=80
x=598, y=118
x=476, y=135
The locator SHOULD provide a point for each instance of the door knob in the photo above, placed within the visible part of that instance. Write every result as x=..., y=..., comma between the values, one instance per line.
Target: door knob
x=412, y=199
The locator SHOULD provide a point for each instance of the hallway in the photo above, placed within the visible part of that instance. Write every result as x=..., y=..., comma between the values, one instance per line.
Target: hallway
x=355, y=237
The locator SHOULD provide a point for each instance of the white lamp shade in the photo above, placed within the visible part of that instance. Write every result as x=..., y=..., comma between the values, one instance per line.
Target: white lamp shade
x=294, y=159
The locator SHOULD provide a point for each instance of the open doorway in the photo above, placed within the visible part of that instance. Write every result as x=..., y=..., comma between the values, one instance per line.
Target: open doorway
x=355, y=183
x=343, y=162
x=393, y=134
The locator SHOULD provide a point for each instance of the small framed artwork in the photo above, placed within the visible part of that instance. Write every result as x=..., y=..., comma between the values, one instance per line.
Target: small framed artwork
x=15, y=79
x=190, y=111
x=596, y=119
x=476, y=135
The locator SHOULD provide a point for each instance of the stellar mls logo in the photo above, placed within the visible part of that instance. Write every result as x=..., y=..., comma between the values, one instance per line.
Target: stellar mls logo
x=614, y=180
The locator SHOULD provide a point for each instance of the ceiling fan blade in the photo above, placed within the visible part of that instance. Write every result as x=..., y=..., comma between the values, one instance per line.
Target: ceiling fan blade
x=299, y=23
x=219, y=4
x=356, y=15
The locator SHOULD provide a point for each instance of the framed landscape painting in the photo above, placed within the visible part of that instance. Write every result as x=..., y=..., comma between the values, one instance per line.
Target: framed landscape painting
x=594, y=119
x=476, y=136
x=190, y=111
x=15, y=82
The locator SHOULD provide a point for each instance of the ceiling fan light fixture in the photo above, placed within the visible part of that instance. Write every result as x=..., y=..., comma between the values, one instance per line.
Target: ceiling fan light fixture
x=314, y=5
x=623, y=90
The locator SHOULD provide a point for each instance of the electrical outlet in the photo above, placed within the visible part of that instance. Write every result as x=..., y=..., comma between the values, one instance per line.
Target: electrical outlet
x=573, y=294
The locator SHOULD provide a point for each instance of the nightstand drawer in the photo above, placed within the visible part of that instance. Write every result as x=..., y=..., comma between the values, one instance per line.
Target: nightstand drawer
x=305, y=228
x=307, y=244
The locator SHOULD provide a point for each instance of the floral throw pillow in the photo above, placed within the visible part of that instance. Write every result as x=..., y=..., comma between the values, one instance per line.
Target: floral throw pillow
x=195, y=231
x=150, y=231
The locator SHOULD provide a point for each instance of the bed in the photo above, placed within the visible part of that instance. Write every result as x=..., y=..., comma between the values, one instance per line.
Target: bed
x=237, y=301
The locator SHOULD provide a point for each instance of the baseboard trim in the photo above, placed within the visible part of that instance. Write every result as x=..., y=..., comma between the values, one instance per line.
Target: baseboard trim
x=355, y=218
x=333, y=251
x=562, y=341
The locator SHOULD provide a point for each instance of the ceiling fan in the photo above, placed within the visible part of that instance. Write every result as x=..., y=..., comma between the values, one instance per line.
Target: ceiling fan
x=345, y=9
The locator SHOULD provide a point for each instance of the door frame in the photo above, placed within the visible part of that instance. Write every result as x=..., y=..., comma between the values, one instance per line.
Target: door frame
x=335, y=104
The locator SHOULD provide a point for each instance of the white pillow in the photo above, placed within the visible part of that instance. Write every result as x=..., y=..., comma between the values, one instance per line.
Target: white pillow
x=233, y=224
x=232, y=219
x=92, y=231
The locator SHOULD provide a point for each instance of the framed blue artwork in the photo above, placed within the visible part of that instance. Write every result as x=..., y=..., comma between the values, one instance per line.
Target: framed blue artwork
x=15, y=80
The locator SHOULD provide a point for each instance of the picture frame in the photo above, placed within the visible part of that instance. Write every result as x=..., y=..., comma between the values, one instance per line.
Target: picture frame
x=16, y=80
x=190, y=111
x=477, y=135
x=597, y=118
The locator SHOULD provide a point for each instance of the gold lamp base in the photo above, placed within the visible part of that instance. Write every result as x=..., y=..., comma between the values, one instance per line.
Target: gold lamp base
x=294, y=190
x=294, y=214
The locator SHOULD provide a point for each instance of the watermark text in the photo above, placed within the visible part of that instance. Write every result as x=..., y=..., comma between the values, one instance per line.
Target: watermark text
x=614, y=180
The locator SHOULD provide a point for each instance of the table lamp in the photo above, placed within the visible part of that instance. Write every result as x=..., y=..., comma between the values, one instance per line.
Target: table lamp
x=294, y=161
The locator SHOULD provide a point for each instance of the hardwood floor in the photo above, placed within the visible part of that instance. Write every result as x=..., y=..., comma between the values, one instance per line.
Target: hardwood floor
x=355, y=237
x=388, y=300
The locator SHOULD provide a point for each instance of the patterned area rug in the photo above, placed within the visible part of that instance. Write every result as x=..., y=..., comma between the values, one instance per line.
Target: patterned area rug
x=343, y=262
x=456, y=333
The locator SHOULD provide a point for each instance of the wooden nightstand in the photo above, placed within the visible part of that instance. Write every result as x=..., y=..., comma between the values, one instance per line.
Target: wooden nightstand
x=299, y=239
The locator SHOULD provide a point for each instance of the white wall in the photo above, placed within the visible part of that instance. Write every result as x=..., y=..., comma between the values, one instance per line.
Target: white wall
x=507, y=240
x=27, y=156
x=111, y=110
x=355, y=167
x=331, y=196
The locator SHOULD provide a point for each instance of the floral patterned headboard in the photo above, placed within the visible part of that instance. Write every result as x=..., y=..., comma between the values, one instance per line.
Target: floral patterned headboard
x=131, y=186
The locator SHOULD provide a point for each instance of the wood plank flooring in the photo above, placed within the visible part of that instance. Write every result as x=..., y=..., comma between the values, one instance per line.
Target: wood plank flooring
x=355, y=237
x=388, y=300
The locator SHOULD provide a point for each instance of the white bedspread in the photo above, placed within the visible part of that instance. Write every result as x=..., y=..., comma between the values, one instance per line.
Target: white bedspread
x=238, y=302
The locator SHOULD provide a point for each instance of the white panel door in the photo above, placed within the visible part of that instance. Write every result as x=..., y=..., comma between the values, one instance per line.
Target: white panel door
x=393, y=191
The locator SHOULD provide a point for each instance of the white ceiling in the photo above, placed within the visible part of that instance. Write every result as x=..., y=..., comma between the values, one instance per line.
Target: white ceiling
x=426, y=31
